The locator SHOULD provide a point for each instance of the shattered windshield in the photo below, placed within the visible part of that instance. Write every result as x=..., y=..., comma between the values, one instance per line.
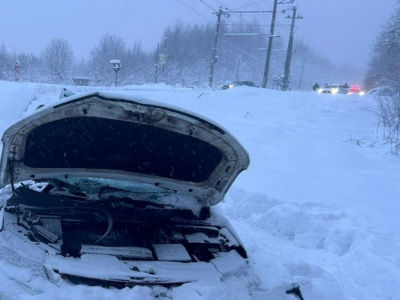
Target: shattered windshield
x=104, y=189
x=100, y=191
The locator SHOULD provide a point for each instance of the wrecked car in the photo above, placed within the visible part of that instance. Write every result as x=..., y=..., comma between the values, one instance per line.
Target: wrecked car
x=109, y=190
x=116, y=191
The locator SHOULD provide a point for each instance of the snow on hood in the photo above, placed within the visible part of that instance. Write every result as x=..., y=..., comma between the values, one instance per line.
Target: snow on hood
x=115, y=136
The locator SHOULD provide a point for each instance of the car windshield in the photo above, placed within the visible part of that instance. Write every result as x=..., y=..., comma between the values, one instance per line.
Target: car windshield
x=107, y=192
x=105, y=189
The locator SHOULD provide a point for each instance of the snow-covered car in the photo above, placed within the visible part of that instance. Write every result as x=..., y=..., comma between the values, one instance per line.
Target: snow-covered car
x=115, y=191
x=110, y=190
x=238, y=83
x=334, y=89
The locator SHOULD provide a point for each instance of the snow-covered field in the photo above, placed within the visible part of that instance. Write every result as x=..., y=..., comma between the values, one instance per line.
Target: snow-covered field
x=319, y=204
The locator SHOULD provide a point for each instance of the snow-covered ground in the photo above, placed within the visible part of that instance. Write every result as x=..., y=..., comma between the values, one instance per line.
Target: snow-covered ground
x=319, y=204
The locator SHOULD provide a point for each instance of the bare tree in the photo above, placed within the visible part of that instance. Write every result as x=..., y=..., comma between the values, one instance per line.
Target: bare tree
x=58, y=59
x=384, y=67
x=4, y=60
x=110, y=47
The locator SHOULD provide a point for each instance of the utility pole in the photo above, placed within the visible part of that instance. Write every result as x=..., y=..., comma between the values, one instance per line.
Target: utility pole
x=238, y=68
x=271, y=32
x=220, y=12
x=271, y=36
x=214, y=56
x=290, y=50
x=165, y=58
x=157, y=62
x=301, y=73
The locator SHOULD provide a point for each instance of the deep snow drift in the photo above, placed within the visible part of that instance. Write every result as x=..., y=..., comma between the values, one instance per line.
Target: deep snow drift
x=319, y=204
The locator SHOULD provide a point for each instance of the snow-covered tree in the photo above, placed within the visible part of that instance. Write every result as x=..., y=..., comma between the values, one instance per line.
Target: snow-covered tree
x=29, y=67
x=4, y=61
x=109, y=47
x=57, y=60
x=137, y=66
x=384, y=66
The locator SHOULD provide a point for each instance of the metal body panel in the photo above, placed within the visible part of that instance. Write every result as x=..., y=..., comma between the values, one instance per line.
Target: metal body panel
x=200, y=159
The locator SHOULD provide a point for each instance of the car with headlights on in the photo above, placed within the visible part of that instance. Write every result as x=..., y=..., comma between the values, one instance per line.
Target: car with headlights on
x=334, y=89
x=237, y=84
x=356, y=90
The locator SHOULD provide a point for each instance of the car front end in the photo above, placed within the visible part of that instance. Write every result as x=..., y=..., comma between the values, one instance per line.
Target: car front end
x=116, y=191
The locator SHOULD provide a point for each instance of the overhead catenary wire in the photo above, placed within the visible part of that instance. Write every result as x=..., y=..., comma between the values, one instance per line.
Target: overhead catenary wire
x=221, y=13
x=209, y=6
x=220, y=3
x=256, y=5
x=251, y=4
x=191, y=8
x=281, y=26
x=229, y=21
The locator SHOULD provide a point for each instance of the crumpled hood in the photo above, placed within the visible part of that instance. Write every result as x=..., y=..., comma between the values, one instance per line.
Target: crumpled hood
x=119, y=137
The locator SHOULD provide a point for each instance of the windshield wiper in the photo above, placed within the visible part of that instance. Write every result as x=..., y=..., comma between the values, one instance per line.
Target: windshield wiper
x=137, y=203
x=57, y=186
x=108, y=192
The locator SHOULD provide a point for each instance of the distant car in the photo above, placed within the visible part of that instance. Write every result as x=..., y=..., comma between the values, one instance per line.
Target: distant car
x=334, y=89
x=238, y=83
x=355, y=89
x=111, y=190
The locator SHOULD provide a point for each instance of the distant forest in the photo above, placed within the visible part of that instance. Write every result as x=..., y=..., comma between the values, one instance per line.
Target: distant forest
x=384, y=67
x=182, y=58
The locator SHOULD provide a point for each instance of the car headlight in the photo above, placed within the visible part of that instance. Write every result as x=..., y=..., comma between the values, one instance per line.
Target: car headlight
x=334, y=91
x=361, y=93
x=319, y=90
x=231, y=86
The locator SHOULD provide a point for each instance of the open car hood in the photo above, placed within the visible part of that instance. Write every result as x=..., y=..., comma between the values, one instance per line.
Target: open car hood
x=115, y=136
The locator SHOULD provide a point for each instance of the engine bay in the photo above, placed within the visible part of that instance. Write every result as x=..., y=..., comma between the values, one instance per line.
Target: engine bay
x=119, y=226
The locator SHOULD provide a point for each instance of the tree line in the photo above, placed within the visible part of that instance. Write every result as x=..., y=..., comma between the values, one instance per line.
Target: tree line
x=384, y=66
x=384, y=71
x=182, y=57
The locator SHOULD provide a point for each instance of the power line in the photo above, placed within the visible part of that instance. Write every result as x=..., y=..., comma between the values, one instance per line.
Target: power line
x=240, y=12
x=220, y=3
x=257, y=5
x=233, y=24
x=251, y=4
x=191, y=8
x=281, y=26
x=219, y=14
x=208, y=6
x=231, y=11
x=246, y=25
x=229, y=20
x=241, y=51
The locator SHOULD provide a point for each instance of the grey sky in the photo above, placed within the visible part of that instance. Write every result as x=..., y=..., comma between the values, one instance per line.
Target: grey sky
x=342, y=30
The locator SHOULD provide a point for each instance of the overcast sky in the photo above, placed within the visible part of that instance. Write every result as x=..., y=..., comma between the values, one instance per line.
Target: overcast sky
x=342, y=30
